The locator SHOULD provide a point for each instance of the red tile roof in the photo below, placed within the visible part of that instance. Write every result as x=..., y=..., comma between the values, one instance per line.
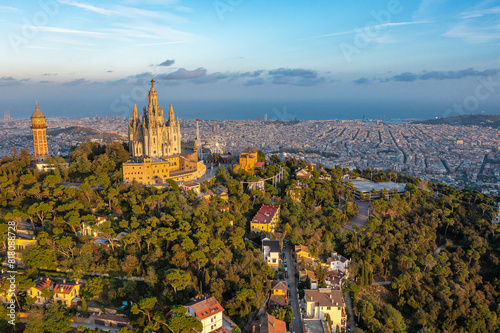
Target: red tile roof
x=259, y=164
x=205, y=307
x=265, y=214
x=269, y=324
x=43, y=283
x=63, y=288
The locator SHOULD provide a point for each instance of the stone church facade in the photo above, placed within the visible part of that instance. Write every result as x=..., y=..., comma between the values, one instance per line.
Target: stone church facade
x=155, y=148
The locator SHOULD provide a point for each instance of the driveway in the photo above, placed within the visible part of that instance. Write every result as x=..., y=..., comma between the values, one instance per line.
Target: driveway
x=348, y=305
x=361, y=219
x=296, y=325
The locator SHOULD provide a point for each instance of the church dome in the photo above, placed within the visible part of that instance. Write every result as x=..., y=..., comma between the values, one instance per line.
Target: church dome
x=37, y=113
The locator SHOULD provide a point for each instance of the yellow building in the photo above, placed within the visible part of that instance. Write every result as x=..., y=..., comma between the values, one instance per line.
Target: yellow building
x=66, y=293
x=155, y=146
x=36, y=291
x=248, y=158
x=39, y=129
x=325, y=301
x=266, y=219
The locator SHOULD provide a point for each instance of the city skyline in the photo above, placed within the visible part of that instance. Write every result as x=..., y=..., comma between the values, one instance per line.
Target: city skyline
x=418, y=59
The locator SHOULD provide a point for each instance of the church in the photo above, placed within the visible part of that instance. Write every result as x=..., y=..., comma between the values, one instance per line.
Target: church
x=155, y=147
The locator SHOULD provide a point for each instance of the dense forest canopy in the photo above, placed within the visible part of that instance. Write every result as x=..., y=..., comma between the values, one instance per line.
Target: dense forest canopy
x=180, y=246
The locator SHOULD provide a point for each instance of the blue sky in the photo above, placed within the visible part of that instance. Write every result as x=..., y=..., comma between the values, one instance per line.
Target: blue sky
x=407, y=58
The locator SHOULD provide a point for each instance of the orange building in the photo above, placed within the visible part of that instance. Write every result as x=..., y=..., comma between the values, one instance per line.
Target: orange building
x=39, y=134
x=248, y=159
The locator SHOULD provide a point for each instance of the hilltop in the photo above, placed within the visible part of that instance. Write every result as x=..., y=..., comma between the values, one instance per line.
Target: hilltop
x=83, y=131
x=485, y=120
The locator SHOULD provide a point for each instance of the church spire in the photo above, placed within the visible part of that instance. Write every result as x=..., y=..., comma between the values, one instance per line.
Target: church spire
x=171, y=115
x=135, y=114
x=153, y=107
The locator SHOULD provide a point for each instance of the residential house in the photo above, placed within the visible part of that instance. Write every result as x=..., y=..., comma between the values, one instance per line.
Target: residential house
x=303, y=256
x=269, y=324
x=325, y=301
x=337, y=262
x=67, y=293
x=90, y=229
x=279, y=294
x=208, y=311
x=271, y=250
x=333, y=279
x=303, y=173
x=37, y=291
x=266, y=219
x=304, y=274
x=496, y=214
x=195, y=187
x=108, y=320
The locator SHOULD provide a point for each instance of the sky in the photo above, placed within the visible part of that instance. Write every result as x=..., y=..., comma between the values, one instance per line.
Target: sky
x=234, y=59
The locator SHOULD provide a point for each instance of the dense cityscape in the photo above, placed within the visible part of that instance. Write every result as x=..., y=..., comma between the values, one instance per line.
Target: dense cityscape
x=460, y=156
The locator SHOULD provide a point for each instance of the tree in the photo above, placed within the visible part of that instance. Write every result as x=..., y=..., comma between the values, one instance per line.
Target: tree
x=93, y=286
x=279, y=313
x=35, y=322
x=130, y=265
x=177, y=279
x=117, y=153
x=145, y=306
x=56, y=319
x=178, y=322
x=394, y=319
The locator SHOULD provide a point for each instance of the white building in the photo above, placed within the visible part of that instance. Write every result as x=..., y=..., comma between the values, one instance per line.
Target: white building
x=271, y=250
x=208, y=311
x=338, y=263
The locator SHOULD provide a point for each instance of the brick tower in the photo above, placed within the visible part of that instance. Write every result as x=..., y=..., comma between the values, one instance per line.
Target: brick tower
x=39, y=134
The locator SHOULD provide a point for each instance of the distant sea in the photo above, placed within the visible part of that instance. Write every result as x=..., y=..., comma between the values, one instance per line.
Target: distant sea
x=237, y=110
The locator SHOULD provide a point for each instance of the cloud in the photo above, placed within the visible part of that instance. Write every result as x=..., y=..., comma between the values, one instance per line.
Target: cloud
x=6, y=9
x=374, y=27
x=251, y=74
x=254, y=82
x=184, y=74
x=6, y=81
x=45, y=81
x=475, y=34
x=405, y=77
x=362, y=80
x=282, y=80
x=304, y=73
x=76, y=82
x=71, y=31
x=123, y=11
x=481, y=12
x=167, y=62
x=454, y=75
x=49, y=74
x=438, y=75
x=210, y=78
x=308, y=82
x=296, y=76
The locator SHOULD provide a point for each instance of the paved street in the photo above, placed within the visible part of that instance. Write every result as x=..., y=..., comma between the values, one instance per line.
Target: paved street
x=296, y=325
x=348, y=305
x=361, y=219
